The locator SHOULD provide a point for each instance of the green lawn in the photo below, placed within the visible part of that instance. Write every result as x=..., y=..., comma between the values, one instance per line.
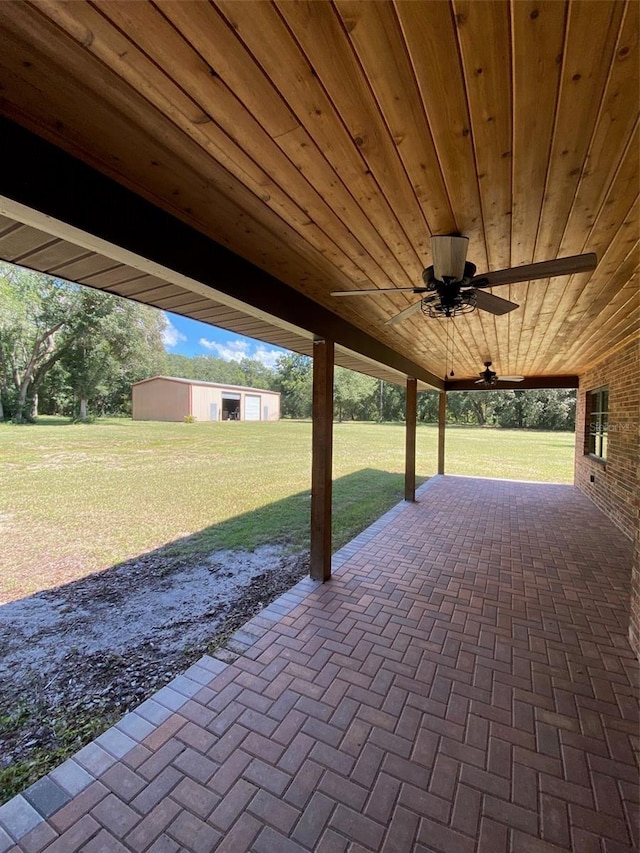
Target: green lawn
x=79, y=498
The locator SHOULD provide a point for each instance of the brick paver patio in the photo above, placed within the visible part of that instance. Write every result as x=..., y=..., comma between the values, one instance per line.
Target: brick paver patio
x=464, y=683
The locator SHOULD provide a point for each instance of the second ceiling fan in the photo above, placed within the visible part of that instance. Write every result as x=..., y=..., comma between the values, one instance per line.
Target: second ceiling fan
x=489, y=378
x=451, y=286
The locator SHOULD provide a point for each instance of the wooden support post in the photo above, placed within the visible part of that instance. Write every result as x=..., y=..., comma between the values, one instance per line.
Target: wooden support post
x=442, y=418
x=410, y=452
x=321, y=462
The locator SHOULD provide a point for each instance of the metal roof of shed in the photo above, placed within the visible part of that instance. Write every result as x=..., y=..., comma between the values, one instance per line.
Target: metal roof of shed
x=208, y=384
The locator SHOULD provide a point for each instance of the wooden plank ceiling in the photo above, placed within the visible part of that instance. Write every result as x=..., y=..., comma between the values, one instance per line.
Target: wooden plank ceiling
x=327, y=141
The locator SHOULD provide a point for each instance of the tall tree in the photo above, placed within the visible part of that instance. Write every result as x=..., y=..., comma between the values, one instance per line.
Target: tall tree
x=38, y=324
x=11, y=312
x=257, y=374
x=208, y=368
x=90, y=340
x=121, y=347
x=393, y=402
x=428, y=405
x=180, y=366
x=354, y=394
x=295, y=381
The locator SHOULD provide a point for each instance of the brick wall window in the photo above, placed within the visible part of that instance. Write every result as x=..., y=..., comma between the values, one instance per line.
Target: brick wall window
x=598, y=409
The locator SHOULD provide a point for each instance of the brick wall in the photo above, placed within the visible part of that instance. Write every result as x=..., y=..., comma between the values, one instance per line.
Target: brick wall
x=634, y=624
x=616, y=486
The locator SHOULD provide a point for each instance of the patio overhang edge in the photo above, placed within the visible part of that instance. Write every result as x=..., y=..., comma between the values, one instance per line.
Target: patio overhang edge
x=47, y=179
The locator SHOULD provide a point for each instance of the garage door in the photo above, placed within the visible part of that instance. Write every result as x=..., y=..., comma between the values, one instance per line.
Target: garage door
x=251, y=408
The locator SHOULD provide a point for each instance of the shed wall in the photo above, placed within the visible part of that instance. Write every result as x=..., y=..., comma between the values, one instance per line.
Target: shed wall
x=166, y=400
x=272, y=401
x=201, y=399
x=160, y=400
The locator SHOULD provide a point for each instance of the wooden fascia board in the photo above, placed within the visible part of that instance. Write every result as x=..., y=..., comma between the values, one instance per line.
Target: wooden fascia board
x=44, y=178
x=527, y=383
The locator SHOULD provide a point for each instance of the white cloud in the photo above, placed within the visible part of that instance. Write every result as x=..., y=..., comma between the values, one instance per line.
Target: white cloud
x=171, y=336
x=268, y=357
x=229, y=351
x=236, y=350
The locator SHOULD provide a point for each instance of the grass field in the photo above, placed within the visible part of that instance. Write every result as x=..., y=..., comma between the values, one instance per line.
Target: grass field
x=78, y=498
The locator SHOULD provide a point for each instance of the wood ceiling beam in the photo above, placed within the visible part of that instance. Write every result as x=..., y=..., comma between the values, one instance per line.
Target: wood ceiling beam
x=528, y=382
x=46, y=179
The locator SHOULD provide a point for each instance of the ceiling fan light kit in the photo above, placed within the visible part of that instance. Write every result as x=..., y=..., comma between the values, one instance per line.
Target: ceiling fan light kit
x=452, y=305
x=449, y=254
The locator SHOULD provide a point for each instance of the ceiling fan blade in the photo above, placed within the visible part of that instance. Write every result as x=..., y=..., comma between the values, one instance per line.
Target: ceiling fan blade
x=544, y=269
x=404, y=314
x=373, y=290
x=494, y=304
x=510, y=378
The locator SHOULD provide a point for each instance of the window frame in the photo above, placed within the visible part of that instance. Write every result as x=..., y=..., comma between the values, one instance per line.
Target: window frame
x=598, y=423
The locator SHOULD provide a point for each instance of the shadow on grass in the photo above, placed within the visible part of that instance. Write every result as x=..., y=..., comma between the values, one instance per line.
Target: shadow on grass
x=358, y=500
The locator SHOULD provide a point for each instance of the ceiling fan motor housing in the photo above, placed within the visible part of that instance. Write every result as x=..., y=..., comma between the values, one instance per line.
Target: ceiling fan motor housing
x=431, y=282
x=489, y=376
x=453, y=300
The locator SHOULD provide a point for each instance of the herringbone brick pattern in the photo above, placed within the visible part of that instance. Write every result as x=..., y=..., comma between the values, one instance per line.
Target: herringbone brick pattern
x=462, y=685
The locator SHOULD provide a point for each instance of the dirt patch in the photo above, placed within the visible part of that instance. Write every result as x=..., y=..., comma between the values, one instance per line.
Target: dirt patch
x=76, y=658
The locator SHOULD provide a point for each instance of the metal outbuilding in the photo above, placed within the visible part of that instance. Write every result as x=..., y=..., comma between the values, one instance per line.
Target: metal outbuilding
x=169, y=398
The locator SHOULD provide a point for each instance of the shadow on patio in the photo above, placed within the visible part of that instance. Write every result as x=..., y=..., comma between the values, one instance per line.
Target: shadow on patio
x=464, y=683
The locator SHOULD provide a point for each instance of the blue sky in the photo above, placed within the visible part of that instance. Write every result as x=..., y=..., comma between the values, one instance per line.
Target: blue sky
x=188, y=337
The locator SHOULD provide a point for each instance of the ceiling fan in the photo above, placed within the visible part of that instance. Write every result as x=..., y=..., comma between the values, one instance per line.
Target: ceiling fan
x=489, y=378
x=451, y=286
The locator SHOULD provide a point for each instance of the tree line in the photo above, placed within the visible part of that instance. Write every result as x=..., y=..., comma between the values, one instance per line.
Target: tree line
x=73, y=351
x=359, y=397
